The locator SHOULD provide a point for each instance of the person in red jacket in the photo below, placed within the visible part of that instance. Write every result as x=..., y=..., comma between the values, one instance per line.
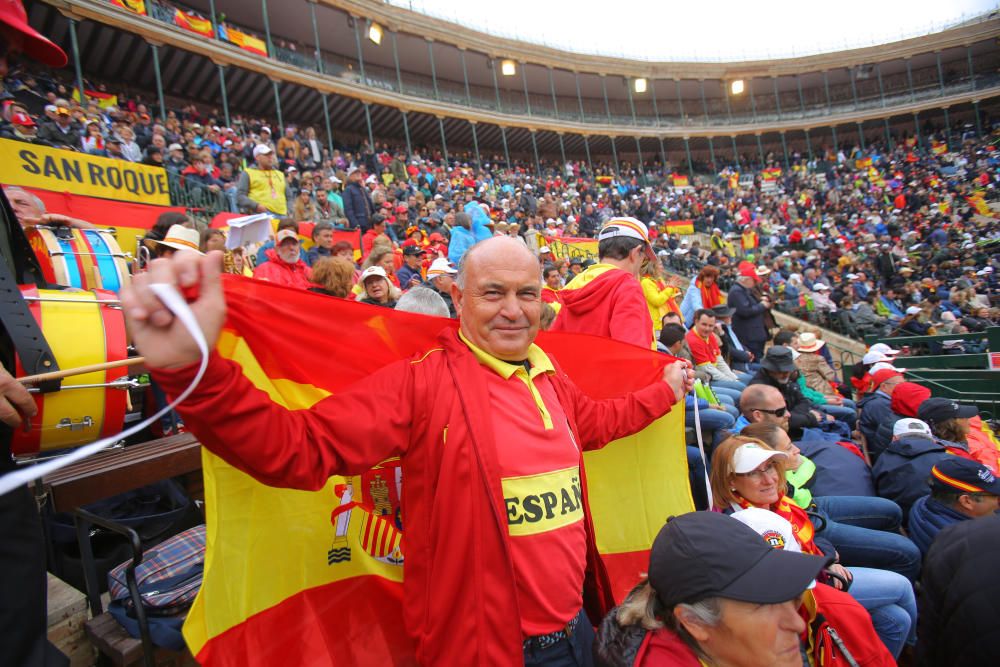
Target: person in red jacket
x=501, y=557
x=284, y=266
x=607, y=299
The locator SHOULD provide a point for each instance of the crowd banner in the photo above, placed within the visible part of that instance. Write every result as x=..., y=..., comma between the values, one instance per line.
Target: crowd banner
x=193, y=23
x=130, y=221
x=59, y=170
x=137, y=6
x=570, y=247
x=680, y=180
x=315, y=578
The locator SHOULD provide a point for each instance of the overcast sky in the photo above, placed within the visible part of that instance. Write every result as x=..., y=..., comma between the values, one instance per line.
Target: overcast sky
x=704, y=30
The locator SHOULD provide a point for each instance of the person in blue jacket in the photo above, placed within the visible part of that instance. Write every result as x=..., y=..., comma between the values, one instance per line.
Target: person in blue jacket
x=961, y=489
x=902, y=470
x=469, y=229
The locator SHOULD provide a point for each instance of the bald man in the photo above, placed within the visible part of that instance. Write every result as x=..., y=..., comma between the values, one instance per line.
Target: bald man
x=498, y=495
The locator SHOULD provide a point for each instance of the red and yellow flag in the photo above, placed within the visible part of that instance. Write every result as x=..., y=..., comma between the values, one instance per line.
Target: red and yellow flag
x=863, y=163
x=679, y=227
x=979, y=204
x=734, y=180
x=193, y=23
x=315, y=578
x=137, y=6
x=771, y=174
x=939, y=147
x=681, y=181
x=104, y=100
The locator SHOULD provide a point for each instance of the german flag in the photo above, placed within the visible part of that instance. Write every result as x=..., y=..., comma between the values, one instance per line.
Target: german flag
x=315, y=578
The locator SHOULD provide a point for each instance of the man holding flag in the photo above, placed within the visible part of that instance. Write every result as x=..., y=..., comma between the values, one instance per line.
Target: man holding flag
x=501, y=558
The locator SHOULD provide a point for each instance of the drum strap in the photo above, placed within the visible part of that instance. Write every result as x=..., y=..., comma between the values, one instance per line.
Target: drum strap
x=24, y=331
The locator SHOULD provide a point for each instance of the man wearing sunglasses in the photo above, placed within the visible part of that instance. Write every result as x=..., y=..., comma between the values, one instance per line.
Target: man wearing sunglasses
x=22, y=552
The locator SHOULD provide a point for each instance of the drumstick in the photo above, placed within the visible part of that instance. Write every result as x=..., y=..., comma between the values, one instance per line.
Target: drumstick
x=80, y=370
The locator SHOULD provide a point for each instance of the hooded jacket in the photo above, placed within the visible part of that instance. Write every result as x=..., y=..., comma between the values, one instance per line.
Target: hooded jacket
x=902, y=471
x=459, y=583
x=606, y=301
x=928, y=517
x=875, y=410
x=278, y=271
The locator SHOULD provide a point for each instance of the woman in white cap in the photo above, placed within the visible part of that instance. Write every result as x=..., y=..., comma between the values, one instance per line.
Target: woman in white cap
x=748, y=473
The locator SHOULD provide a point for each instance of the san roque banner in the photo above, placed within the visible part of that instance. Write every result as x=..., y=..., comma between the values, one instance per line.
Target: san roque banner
x=59, y=170
x=315, y=578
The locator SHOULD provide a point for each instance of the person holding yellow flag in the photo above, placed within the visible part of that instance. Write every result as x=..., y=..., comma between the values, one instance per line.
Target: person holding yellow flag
x=261, y=189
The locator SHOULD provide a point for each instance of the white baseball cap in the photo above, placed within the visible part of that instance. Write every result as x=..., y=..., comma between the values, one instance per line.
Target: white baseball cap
x=749, y=457
x=883, y=349
x=873, y=357
x=373, y=271
x=884, y=366
x=624, y=226
x=261, y=149
x=913, y=310
x=911, y=426
x=439, y=267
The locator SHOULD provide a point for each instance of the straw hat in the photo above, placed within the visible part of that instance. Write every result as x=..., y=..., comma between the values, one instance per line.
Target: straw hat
x=809, y=343
x=180, y=237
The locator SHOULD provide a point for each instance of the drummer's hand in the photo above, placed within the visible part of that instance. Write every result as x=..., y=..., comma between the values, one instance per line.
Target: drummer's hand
x=158, y=335
x=14, y=400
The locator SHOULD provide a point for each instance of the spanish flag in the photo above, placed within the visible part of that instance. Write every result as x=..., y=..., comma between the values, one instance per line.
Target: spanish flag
x=863, y=163
x=193, y=23
x=979, y=204
x=680, y=181
x=771, y=174
x=734, y=180
x=939, y=147
x=685, y=227
x=137, y=6
x=104, y=100
x=315, y=578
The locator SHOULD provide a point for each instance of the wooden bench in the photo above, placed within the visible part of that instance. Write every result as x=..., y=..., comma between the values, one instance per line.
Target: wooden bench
x=123, y=649
x=119, y=470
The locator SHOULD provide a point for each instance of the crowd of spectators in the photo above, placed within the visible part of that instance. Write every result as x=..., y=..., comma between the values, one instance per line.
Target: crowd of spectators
x=880, y=239
x=875, y=240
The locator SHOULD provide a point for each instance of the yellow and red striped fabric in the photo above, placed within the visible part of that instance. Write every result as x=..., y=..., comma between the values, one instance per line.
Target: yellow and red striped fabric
x=193, y=23
x=297, y=577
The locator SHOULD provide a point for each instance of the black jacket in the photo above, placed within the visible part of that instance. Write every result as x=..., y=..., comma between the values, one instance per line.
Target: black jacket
x=358, y=206
x=748, y=320
x=902, y=470
x=960, y=599
x=797, y=403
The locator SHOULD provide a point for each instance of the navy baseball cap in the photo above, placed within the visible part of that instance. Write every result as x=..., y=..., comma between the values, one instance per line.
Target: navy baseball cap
x=955, y=473
x=937, y=409
x=707, y=554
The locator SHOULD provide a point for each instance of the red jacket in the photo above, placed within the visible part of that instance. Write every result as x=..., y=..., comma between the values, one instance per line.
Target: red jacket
x=606, y=301
x=275, y=270
x=461, y=601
